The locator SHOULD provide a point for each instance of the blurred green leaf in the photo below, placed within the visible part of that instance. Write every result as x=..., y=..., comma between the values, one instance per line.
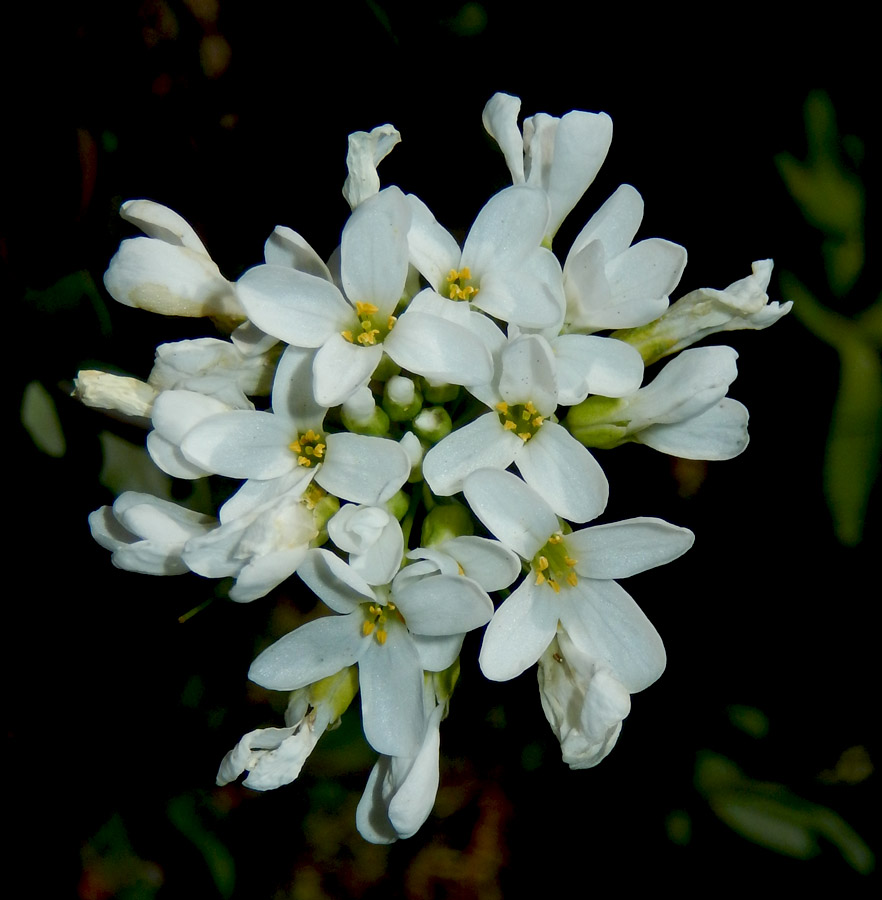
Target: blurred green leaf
x=187, y=816
x=831, y=197
x=854, y=442
x=770, y=815
x=40, y=419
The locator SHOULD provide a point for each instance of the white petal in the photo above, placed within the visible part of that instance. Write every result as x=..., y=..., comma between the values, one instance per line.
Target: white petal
x=511, y=225
x=363, y=469
x=311, y=652
x=414, y=799
x=433, y=250
x=443, y=604
x=607, y=625
x=488, y=562
x=391, y=682
x=299, y=309
x=571, y=480
x=480, y=444
x=438, y=652
x=285, y=247
x=175, y=281
x=614, y=224
x=341, y=367
x=337, y=584
x=438, y=349
x=264, y=573
x=529, y=373
x=519, y=632
x=622, y=549
x=500, y=118
x=718, y=433
x=242, y=444
x=511, y=510
x=373, y=250
x=588, y=364
x=158, y=221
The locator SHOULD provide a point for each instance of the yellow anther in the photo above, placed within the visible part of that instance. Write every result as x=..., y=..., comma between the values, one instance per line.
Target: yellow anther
x=524, y=436
x=537, y=421
x=304, y=461
x=319, y=450
x=461, y=569
x=568, y=560
x=295, y=447
x=543, y=563
x=502, y=406
x=369, y=337
x=540, y=578
x=555, y=585
x=381, y=637
x=508, y=425
x=572, y=579
x=525, y=414
x=348, y=336
x=555, y=538
x=390, y=323
x=367, y=628
x=365, y=309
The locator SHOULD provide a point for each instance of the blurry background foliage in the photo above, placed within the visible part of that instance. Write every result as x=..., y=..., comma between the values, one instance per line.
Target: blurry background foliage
x=751, y=762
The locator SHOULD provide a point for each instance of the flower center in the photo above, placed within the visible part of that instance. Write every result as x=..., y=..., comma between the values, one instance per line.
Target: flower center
x=368, y=333
x=553, y=565
x=459, y=287
x=309, y=447
x=375, y=618
x=521, y=418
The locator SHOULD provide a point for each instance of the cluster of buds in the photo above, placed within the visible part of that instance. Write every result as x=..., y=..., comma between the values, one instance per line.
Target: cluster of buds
x=410, y=422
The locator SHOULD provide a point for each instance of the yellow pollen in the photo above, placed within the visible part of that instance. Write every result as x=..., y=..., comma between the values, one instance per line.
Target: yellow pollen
x=308, y=447
x=537, y=421
x=508, y=425
x=369, y=337
x=365, y=309
x=367, y=628
x=455, y=279
x=524, y=436
x=502, y=406
x=381, y=637
x=348, y=336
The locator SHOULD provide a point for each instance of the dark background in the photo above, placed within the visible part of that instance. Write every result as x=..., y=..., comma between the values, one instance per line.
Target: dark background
x=236, y=116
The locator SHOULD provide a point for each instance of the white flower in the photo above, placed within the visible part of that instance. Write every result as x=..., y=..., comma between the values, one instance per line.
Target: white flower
x=520, y=430
x=382, y=629
x=266, y=529
x=103, y=390
x=583, y=702
x=146, y=534
x=571, y=583
x=560, y=155
x=744, y=304
x=608, y=282
x=373, y=539
x=275, y=756
x=291, y=439
x=170, y=271
x=502, y=269
x=684, y=411
x=400, y=791
x=215, y=368
x=367, y=149
x=351, y=331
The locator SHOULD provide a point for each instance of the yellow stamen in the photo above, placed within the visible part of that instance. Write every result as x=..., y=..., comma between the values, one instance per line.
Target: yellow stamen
x=367, y=628
x=508, y=425
x=572, y=579
x=524, y=436
x=381, y=637
x=365, y=309
x=502, y=406
x=348, y=336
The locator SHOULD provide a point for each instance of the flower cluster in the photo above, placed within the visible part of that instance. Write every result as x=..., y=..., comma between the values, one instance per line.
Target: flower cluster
x=410, y=422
